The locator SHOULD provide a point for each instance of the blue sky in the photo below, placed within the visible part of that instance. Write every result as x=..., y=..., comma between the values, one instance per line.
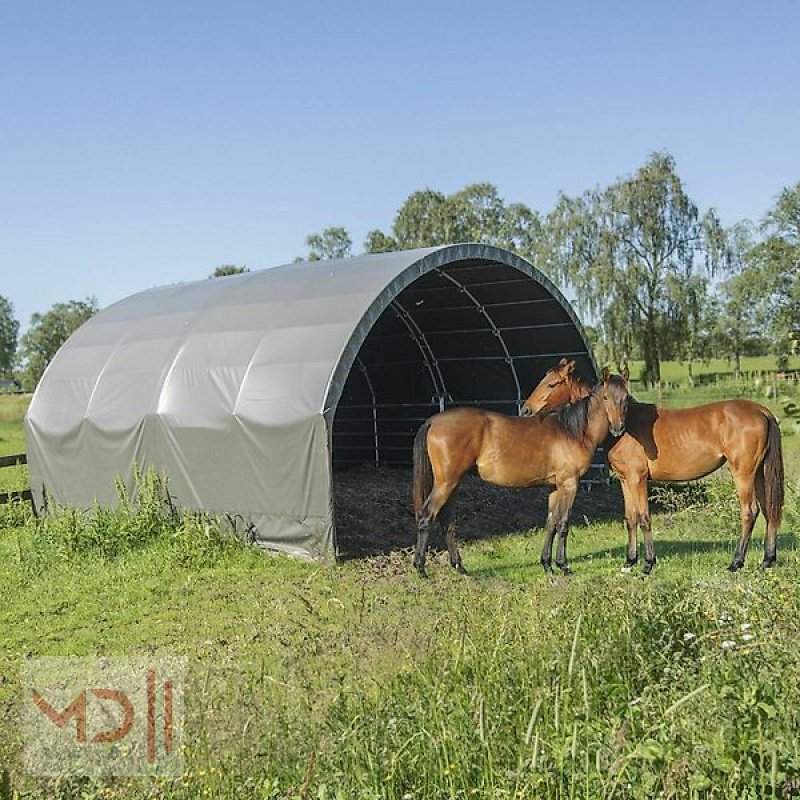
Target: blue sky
x=144, y=143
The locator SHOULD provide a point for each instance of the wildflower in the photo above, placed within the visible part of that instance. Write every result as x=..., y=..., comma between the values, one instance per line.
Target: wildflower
x=745, y=626
x=688, y=636
x=728, y=644
x=747, y=637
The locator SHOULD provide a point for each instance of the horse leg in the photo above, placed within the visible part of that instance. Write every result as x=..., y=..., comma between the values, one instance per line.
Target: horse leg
x=631, y=523
x=430, y=511
x=771, y=537
x=449, y=531
x=745, y=487
x=643, y=507
x=568, y=491
x=423, y=533
x=549, y=531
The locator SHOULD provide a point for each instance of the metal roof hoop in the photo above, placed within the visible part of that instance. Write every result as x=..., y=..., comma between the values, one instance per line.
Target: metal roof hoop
x=495, y=330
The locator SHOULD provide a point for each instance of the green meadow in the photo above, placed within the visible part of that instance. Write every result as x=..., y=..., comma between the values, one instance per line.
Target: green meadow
x=359, y=680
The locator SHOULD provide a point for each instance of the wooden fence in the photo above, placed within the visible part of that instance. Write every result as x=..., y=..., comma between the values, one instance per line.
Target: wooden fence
x=25, y=494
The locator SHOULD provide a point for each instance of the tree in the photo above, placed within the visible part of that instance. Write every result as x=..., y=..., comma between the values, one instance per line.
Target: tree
x=693, y=322
x=9, y=330
x=476, y=213
x=737, y=303
x=379, y=242
x=775, y=266
x=228, y=269
x=331, y=243
x=632, y=250
x=48, y=332
x=423, y=221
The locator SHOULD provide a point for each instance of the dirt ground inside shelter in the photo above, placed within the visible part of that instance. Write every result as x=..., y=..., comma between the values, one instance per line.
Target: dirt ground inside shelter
x=374, y=515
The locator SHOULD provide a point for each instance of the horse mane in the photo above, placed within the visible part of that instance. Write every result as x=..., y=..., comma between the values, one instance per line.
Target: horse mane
x=582, y=381
x=574, y=417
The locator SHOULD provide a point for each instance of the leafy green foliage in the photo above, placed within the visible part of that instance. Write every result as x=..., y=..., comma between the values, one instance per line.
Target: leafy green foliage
x=228, y=269
x=640, y=257
x=70, y=535
x=47, y=333
x=331, y=243
x=476, y=213
x=634, y=252
x=9, y=329
x=736, y=319
x=775, y=269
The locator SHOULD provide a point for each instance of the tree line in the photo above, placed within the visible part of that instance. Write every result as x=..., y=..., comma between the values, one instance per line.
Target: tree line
x=656, y=277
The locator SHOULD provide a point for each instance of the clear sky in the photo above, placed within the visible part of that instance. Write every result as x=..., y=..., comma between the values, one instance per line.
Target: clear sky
x=147, y=142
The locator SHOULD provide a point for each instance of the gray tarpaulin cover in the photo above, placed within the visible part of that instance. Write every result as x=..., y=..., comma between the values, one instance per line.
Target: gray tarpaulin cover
x=229, y=386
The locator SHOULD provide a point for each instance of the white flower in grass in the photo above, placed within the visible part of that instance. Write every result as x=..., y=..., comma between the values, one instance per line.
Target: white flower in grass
x=728, y=644
x=747, y=637
x=745, y=626
x=688, y=636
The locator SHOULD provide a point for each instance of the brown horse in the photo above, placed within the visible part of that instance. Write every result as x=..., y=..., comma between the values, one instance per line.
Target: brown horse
x=680, y=445
x=511, y=451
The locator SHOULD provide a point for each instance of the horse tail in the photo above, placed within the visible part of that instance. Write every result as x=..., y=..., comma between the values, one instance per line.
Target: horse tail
x=772, y=469
x=423, y=470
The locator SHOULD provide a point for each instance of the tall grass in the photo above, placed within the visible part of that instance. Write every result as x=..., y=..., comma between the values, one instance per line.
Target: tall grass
x=69, y=535
x=361, y=681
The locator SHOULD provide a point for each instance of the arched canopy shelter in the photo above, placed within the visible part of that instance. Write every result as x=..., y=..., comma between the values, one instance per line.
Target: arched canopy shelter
x=246, y=390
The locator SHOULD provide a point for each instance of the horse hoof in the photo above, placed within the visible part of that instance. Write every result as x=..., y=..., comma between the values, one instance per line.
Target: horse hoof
x=767, y=563
x=460, y=569
x=648, y=566
x=629, y=565
x=735, y=566
x=565, y=569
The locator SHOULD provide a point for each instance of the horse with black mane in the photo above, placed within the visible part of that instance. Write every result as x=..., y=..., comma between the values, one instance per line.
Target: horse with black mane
x=512, y=451
x=682, y=444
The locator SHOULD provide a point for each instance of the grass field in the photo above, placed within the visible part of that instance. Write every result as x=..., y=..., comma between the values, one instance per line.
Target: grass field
x=675, y=372
x=361, y=681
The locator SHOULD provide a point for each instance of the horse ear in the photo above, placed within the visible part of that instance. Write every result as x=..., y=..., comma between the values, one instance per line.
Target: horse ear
x=563, y=362
x=570, y=366
x=604, y=375
x=626, y=373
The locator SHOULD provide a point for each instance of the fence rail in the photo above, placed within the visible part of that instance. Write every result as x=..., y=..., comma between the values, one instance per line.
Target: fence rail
x=23, y=494
x=12, y=461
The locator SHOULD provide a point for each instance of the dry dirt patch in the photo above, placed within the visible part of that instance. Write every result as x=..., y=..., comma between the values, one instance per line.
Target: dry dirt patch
x=373, y=510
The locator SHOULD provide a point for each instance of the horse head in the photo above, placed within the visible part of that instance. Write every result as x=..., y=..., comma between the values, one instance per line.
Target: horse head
x=613, y=391
x=554, y=390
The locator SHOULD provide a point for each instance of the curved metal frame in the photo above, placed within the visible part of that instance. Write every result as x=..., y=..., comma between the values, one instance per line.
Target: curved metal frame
x=495, y=330
x=428, y=356
x=437, y=259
